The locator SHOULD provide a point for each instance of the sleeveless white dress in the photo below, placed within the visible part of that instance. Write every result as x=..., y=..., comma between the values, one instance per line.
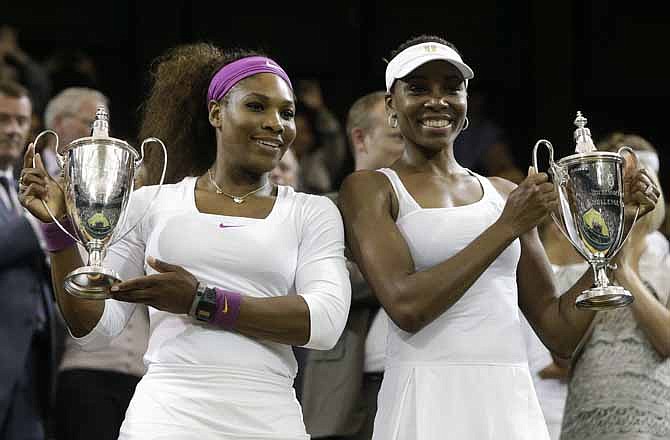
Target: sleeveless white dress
x=465, y=375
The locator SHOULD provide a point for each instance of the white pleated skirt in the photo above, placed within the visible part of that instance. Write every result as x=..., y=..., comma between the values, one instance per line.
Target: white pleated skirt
x=458, y=402
x=177, y=402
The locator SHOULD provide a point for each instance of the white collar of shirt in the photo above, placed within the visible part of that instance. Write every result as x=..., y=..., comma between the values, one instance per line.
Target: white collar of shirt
x=8, y=173
x=4, y=196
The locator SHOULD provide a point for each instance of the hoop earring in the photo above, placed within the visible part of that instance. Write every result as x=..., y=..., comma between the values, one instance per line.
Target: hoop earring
x=466, y=125
x=393, y=121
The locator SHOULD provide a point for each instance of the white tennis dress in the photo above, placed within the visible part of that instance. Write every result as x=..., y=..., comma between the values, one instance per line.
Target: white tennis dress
x=205, y=383
x=465, y=375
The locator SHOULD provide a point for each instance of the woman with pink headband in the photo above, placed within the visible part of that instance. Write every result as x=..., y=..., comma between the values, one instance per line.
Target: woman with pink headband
x=452, y=256
x=235, y=270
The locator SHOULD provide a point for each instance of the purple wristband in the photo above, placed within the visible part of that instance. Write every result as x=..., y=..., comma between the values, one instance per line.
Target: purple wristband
x=227, y=308
x=54, y=238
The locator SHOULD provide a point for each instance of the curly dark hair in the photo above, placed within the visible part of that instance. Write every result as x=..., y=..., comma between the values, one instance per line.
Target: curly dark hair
x=176, y=112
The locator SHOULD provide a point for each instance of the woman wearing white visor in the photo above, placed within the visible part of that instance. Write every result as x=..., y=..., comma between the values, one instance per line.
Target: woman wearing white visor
x=452, y=256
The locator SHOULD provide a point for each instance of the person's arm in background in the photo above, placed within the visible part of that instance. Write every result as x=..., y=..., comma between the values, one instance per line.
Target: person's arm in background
x=333, y=146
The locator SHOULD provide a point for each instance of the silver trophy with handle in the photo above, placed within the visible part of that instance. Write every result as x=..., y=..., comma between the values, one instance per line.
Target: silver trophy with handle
x=591, y=210
x=98, y=181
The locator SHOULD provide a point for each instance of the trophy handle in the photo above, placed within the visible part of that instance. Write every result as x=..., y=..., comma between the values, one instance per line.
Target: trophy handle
x=557, y=172
x=551, y=153
x=59, y=157
x=630, y=151
x=61, y=163
x=559, y=175
x=138, y=162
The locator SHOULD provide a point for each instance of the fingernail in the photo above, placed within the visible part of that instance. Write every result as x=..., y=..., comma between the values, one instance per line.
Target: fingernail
x=115, y=288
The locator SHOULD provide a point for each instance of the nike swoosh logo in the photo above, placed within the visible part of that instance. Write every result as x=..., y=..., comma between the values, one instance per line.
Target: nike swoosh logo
x=222, y=226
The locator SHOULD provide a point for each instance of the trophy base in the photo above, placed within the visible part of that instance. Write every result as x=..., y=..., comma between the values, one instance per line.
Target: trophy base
x=604, y=298
x=91, y=282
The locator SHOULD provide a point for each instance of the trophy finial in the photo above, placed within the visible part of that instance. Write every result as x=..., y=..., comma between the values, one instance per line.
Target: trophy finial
x=101, y=124
x=580, y=120
x=583, y=141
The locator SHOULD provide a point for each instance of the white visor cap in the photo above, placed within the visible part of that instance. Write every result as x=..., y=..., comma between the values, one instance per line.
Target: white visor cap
x=419, y=54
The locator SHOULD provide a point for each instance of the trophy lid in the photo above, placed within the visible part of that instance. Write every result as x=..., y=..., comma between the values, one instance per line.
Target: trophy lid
x=99, y=136
x=583, y=141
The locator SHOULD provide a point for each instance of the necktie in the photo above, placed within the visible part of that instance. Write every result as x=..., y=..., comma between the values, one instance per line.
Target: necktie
x=4, y=181
x=40, y=311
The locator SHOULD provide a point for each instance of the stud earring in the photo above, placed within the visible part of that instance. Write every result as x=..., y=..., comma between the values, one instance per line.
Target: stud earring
x=393, y=121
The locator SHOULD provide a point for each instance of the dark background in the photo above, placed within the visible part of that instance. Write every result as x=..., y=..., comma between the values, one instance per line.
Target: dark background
x=538, y=62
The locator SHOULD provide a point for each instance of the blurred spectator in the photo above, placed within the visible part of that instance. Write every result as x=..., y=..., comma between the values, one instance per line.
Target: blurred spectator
x=70, y=114
x=287, y=172
x=17, y=65
x=26, y=329
x=340, y=386
x=320, y=144
x=93, y=388
x=620, y=380
x=482, y=147
x=373, y=142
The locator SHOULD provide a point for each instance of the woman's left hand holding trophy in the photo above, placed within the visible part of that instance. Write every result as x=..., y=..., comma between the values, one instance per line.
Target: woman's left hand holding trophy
x=37, y=187
x=639, y=189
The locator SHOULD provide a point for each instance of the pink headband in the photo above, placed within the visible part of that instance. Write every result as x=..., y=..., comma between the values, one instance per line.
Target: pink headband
x=232, y=73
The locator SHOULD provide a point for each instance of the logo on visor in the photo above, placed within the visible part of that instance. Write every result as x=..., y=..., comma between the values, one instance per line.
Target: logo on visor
x=430, y=48
x=269, y=64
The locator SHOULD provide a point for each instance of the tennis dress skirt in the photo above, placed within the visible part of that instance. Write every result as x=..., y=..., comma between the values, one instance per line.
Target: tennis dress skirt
x=459, y=402
x=177, y=402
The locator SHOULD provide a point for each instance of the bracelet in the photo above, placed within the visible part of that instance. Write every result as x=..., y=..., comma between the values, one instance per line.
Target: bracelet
x=203, y=307
x=227, y=308
x=215, y=306
x=54, y=238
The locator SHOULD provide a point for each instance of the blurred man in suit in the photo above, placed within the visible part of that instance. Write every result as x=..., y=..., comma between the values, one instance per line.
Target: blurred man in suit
x=26, y=328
